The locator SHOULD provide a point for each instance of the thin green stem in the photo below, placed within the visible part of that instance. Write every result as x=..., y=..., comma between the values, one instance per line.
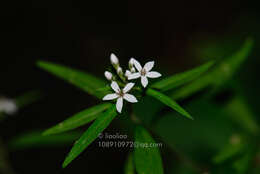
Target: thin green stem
x=5, y=166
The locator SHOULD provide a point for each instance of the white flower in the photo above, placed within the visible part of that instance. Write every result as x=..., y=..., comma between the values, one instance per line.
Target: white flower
x=108, y=75
x=120, y=95
x=114, y=60
x=8, y=106
x=144, y=72
x=127, y=73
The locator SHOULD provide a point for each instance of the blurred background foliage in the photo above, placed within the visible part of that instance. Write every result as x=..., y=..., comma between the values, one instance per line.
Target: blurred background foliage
x=224, y=136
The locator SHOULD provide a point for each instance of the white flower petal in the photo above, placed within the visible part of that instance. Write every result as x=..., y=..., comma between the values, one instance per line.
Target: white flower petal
x=134, y=76
x=127, y=73
x=128, y=87
x=119, y=104
x=115, y=87
x=130, y=98
x=138, y=65
x=110, y=97
x=153, y=74
x=149, y=65
x=144, y=81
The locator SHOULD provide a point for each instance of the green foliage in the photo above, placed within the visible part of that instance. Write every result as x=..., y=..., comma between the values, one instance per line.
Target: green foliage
x=177, y=80
x=147, y=159
x=27, y=98
x=78, y=119
x=151, y=106
x=219, y=75
x=212, y=118
x=230, y=150
x=91, y=134
x=208, y=133
x=86, y=82
x=242, y=164
x=239, y=153
x=129, y=165
x=168, y=101
x=35, y=139
x=240, y=112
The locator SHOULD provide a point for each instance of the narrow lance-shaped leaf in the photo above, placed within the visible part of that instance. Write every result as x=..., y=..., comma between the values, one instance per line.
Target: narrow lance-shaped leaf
x=85, y=81
x=27, y=98
x=78, y=119
x=240, y=112
x=237, y=59
x=91, y=134
x=243, y=164
x=147, y=159
x=233, y=148
x=35, y=139
x=219, y=75
x=168, y=101
x=182, y=78
x=129, y=165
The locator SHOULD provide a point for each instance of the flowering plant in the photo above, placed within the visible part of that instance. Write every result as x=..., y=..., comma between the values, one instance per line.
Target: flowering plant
x=134, y=86
x=120, y=83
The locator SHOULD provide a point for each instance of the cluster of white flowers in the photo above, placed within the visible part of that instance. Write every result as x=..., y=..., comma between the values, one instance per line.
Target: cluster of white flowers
x=135, y=71
x=8, y=106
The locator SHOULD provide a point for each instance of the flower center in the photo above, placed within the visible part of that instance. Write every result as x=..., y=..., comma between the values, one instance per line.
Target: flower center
x=143, y=72
x=120, y=94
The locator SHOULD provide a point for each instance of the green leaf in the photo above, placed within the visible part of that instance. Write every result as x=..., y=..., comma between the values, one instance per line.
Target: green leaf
x=230, y=150
x=129, y=165
x=168, y=101
x=91, y=134
x=182, y=78
x=242, y=164
x=78, y=119
x=35, y=139
x=84, y=81
x=27, y=98
x=147, y=159
x=219, y=75
x=234, y=62
x=211, y=130
x=240, y=112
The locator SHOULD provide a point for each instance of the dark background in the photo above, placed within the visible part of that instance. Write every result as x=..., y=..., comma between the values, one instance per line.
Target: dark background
x=82, y=35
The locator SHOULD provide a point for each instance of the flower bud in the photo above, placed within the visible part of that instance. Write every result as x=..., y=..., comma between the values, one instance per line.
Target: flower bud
x=114, y=60
x=131, y=62
x=108, y=75
x=119, y=70
x=132, y=70
x=127, y=73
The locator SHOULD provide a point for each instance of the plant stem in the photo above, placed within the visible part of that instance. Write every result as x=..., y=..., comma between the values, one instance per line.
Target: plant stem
x=2, y=116
x=5, y=166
